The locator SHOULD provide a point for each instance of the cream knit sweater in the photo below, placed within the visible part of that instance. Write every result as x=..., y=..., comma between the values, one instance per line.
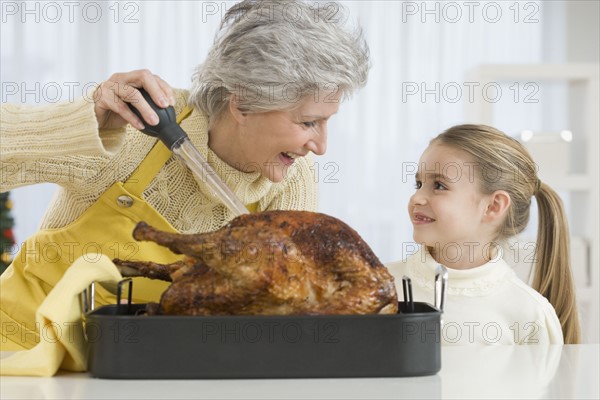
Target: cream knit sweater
x=484, y=305
x=61, y=144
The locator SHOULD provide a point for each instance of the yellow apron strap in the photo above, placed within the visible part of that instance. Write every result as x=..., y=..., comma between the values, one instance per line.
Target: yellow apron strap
x=139, y=180
x=186, y=112
x=253, y=207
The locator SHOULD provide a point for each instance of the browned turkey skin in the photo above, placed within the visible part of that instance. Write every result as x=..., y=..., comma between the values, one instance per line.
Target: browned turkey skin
x=269, y=263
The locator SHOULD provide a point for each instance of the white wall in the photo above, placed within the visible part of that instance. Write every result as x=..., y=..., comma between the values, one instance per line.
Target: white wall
x=414, y=45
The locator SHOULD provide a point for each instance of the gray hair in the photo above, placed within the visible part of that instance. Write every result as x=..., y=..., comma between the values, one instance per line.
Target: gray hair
x=270, y=54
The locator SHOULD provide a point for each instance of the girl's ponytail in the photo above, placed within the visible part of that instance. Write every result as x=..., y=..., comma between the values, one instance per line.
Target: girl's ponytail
x=552, y=276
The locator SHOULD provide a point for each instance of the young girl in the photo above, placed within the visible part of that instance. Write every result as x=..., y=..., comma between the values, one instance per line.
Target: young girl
x=474, y=187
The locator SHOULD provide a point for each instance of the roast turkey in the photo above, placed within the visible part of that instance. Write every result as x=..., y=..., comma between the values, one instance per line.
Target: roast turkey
x=269, y=263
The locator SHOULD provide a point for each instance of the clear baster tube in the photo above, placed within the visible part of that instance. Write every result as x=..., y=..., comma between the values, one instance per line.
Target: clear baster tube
x=204, y=174
x=175, y=138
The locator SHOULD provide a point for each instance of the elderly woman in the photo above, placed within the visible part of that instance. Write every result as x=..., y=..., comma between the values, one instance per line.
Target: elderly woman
x=258, y=106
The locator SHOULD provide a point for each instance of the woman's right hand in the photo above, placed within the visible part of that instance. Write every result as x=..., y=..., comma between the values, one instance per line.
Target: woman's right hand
x=110, y=98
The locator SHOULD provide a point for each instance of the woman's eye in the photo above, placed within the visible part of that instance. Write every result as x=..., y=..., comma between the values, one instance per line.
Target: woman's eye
x=418, y=185
x=310, y=124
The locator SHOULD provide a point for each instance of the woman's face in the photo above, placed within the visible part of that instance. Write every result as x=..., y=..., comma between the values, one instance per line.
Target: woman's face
x=272, y=141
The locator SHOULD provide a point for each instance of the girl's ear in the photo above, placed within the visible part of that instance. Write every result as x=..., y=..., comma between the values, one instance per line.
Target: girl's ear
x=498, y=205
x=238, y=114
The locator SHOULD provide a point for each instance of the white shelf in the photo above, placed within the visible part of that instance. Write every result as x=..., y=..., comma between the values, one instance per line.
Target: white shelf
x=550, y=72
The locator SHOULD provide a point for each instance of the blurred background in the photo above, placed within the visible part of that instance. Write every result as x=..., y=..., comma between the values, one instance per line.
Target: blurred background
x=530, y=68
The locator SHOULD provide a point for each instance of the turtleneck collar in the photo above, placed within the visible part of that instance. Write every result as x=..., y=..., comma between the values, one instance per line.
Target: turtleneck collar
x=476, y=281
x=249, y=187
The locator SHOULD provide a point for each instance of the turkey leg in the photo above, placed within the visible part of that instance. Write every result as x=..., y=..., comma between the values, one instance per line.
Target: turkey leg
x=152, y=270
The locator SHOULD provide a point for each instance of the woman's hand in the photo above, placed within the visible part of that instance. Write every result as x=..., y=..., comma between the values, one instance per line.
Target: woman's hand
x=110, y=98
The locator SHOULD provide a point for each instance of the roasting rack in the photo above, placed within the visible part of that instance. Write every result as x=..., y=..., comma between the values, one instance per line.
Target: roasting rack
x=125, y=343
x=87, y=299
x=408, y=306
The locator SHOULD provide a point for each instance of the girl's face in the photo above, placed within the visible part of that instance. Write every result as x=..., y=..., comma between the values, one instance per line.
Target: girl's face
x=271, y=141
x=447, y=208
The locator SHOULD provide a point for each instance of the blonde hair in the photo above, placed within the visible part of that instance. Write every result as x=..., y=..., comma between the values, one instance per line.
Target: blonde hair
x=502, y=163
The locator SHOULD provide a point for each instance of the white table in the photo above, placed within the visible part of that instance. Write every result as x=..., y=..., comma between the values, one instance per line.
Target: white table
x=566, y=372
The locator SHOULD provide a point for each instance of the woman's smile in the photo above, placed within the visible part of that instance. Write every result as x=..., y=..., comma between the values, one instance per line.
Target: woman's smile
x=288, y=158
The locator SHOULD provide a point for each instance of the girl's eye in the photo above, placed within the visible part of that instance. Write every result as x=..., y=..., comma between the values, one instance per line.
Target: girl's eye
x=310, y=124
x=439, y=186
x=418, y=185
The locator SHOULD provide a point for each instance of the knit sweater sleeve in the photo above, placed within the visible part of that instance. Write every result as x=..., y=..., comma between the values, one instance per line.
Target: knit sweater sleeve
x=57, y=143
x=298, y=191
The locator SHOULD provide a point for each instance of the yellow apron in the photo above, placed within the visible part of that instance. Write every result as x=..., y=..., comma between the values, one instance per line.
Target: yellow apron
x=106, y=227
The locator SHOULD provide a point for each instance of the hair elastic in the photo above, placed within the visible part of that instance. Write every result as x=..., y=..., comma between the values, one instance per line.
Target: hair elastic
x=538, y=184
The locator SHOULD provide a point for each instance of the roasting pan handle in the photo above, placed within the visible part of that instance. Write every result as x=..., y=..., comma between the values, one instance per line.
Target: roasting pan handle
x=441, y=281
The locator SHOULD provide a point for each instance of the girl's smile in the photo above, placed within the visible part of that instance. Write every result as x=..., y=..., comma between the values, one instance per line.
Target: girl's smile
x=421, y=219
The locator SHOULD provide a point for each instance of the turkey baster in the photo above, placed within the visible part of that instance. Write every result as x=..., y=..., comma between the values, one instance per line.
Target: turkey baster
x=175, y=138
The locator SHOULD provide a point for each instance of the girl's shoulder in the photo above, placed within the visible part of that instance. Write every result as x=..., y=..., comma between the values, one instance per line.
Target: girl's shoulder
x=530, y=302
x=405, y=264
x=416, y=266
x=521, y=289
x=397, y=269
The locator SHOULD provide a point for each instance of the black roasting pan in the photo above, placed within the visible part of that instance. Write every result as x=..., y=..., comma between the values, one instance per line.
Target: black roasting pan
x=126, y=345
